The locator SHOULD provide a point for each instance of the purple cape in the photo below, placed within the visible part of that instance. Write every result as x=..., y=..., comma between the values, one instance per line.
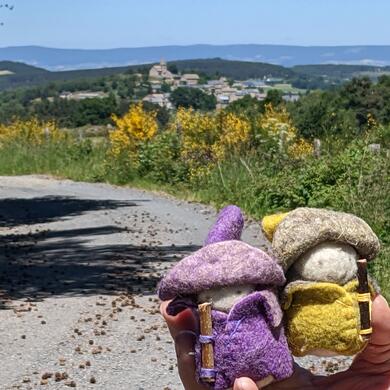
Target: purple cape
x=249, y=341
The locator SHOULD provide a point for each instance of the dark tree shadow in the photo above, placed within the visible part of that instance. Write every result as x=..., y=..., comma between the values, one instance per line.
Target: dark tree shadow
x=21, y=211
x=35, y=266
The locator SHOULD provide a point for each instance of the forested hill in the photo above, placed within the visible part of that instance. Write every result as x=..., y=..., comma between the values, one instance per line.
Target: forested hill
x=339, y=71
x=238, y=70
x=25, y=75
x=21, y=69
x=16, y=74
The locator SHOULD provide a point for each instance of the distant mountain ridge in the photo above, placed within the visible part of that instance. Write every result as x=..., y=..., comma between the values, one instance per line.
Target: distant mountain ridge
x=67, y=59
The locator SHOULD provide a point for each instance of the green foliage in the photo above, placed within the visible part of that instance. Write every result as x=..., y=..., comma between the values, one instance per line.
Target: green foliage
x=274, y=97
x=162, y=116
x=195, y=98
x=75, y=160
x=160, y=159
x=320, y=114
x=237, y=70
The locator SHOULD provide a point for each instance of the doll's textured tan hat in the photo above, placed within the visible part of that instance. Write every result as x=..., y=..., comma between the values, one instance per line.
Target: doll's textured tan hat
x=304, y=228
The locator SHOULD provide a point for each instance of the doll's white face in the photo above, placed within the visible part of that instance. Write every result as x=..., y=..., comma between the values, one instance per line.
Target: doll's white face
x=224, y=298
x=327, y=262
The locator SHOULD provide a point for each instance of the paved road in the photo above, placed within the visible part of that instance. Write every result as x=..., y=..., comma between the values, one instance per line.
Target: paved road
x=79, y=265
x=78, y=270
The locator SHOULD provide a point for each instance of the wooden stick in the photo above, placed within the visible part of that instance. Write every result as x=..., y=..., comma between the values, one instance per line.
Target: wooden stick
x=364, y=300
x=206, y=329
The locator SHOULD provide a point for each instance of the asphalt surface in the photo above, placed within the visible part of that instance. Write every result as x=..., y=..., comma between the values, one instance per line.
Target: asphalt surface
x=79, y=264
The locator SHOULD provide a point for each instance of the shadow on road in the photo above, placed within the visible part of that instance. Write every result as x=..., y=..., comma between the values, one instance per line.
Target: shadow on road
x=35, y=266
x=17, y=211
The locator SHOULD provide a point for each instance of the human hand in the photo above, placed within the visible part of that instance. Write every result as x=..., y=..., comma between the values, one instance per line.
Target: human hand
x=369, y=370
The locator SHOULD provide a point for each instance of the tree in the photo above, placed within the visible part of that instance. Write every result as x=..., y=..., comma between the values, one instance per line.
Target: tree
x=173, y=68
x=162, y=113
x=274, y=97
x=193, y=98
x=363, y=98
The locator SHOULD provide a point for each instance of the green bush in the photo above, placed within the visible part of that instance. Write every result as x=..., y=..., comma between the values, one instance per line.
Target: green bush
x=159, y=160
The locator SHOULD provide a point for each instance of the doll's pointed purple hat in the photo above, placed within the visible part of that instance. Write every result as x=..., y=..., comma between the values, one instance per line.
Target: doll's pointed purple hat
x=222, y=263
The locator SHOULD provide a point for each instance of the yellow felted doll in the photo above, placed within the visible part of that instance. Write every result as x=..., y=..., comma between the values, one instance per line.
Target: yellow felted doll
x=322, y=252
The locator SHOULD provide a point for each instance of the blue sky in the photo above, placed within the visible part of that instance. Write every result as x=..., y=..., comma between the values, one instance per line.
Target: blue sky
x=128, y=23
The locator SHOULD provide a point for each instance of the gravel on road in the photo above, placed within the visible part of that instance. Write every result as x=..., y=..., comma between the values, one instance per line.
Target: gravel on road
x=79, y=265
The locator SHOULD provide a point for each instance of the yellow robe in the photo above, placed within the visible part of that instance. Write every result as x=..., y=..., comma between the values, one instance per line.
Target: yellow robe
x=323, y=317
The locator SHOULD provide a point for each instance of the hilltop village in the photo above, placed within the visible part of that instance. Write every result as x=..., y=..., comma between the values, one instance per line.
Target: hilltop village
x=163, y=82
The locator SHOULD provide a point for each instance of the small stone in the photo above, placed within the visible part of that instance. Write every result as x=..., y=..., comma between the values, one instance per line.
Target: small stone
x=62, y=361
x=88, y=363
x=44, y=382
x=60, y=376
x=46, y=375
x=92, y=380
x=70, y=383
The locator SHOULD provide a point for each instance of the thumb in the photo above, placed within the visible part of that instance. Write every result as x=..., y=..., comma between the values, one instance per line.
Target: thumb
x=244, y=384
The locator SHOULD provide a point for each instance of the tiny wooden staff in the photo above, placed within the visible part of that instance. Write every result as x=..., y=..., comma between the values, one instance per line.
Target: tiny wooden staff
x=206, y=329
x=364, y=299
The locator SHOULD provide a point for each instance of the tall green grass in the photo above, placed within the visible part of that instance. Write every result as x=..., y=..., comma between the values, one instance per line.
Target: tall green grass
x=77, y=161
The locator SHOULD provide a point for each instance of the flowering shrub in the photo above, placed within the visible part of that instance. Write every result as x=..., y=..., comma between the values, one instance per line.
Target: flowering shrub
x=276, y=126
x=32, y=132
x=207, y=138
x=134, y=128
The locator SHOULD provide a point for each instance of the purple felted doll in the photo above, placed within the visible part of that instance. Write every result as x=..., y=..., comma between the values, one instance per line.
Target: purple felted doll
x=240, y=282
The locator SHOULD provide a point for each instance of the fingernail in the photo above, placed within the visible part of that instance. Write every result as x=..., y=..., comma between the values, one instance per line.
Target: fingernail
x=244, y=384
x=239, y=384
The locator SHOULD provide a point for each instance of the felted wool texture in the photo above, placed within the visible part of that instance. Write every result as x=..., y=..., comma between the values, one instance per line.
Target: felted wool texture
x=228, y=226
x=249, y=341
x=322, y=316
x=224, y=298
x=270, y=223
x=326, y=262
x=304, y=228
x=222, y=264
